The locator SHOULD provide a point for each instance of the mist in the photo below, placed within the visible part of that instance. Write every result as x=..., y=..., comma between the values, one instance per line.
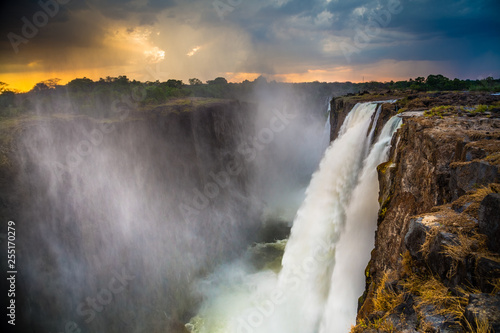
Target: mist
x=122, y=216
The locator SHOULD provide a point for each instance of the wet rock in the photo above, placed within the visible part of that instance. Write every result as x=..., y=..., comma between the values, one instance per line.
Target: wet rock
x=484, y=307
x=266, y=256
x=274, y=230
x=489, y=220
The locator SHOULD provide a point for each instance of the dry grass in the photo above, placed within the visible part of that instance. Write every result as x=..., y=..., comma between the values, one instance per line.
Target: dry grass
x=429, y=238
x=407, y=264
x=481, y=326
x=494, y=159
x=466, y=245
x=431, y=291
x=496, y=286
x=473, y=198
x=381, y=325
x=385, y=299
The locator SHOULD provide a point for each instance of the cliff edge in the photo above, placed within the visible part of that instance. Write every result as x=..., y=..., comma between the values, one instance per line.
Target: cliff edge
x=436, y=263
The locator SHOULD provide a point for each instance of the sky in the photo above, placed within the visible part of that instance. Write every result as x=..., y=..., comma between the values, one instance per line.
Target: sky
x=284, y=40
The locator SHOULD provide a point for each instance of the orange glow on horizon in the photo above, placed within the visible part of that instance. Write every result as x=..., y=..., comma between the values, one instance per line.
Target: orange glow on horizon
x=24, y=82
x=381, y=72
x=240, y=77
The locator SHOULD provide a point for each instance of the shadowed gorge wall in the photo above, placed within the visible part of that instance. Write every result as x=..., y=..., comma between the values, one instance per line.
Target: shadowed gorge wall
x=146, y=203
x=434, y=259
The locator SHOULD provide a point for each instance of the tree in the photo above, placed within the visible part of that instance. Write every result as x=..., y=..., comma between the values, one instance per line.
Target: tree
x=45, y=85
x=218, y=80
x=3, y=87
x=174, y=83
x=7, y=98
x=195, y=82
x=83, y=84
x=437, y=82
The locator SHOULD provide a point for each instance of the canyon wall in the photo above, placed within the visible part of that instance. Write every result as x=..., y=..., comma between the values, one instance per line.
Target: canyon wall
x=157, y=197
x=436, y=266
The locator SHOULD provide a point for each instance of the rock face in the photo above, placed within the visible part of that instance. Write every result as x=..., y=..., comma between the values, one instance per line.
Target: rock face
x=418, y=179
x=341, y=106
x=484, y=307
x=489, y=220
x=92, y=197
x=438, y=224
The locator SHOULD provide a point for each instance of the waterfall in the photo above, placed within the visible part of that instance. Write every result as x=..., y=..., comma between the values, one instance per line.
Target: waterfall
x=357, y=241
x=309, y=256
x=323, y=264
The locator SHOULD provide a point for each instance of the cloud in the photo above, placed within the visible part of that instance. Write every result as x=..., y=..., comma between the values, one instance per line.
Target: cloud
x=277, y=37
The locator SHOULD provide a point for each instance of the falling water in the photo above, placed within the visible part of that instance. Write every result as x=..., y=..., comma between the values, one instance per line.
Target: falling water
x=310, y=252
x=353, y=249
x=324, y=259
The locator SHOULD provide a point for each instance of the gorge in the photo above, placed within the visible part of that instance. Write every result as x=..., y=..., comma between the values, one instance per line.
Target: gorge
x=194, y=205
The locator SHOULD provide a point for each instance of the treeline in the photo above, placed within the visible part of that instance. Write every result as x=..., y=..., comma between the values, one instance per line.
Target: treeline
x=98, y=98
x=436, y=83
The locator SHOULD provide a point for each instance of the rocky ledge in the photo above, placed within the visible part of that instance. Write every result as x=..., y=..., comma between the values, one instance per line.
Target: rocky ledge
x=436, y=262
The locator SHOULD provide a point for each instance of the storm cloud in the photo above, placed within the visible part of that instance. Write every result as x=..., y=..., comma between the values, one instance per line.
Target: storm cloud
x=287, y=40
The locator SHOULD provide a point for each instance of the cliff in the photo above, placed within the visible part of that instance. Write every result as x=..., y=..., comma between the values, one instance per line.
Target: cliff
x=340, y=107
x=436, y=265
x=141, y=192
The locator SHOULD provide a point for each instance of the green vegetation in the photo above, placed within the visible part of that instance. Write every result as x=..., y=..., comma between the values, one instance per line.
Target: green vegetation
x=447, y=110
x=99, y=98
x=439, y=111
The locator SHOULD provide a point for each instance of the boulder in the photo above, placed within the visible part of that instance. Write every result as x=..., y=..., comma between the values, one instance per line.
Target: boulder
x=489, y=220
x=437, y=323
x=487, y=271
x=404, y=317
x=416, y=236
x=465, y=176
x=440, y=263
x=484, y=307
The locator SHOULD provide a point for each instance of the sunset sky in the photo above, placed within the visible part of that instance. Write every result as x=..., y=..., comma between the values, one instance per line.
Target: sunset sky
x=284, y=40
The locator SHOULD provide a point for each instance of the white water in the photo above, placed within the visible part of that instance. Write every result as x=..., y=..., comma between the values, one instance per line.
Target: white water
x=354, y=247
x=324, y=260
x=310, y=252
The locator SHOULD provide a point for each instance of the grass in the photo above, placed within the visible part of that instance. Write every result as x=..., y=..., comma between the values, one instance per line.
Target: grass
x=384, y=300
x=380, y=324
x=431, y=291
x=482, y=108
x=466, y=246
x=473, y=199
x=496, y=286
x=429, y=238
x=439, y=111
x=481, y=326
x=447, y=110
